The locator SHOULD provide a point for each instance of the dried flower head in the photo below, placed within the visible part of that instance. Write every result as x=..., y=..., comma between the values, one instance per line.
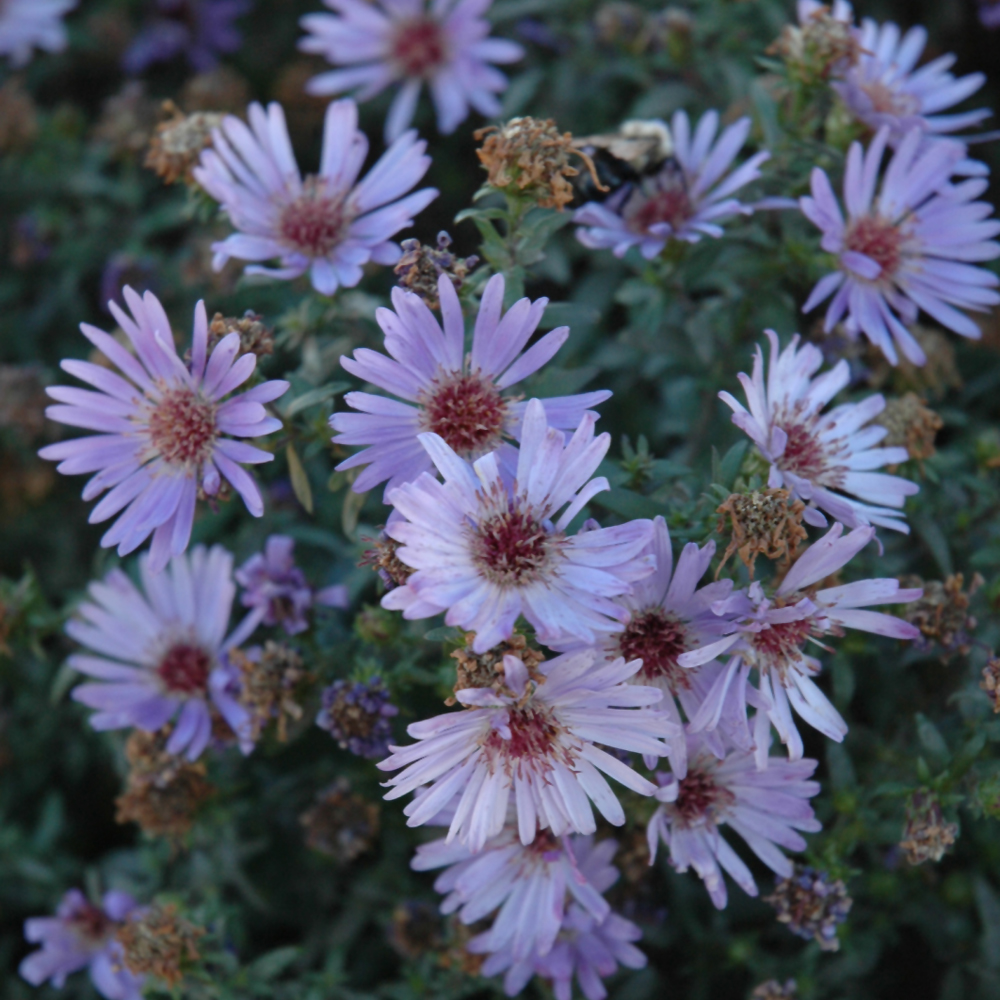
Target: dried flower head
x=176, y=145
x=341, y=824
x=127, y=121
x=383, y=559
x=812, y=905
x=926, y=835
x=911, y=425
x=157, y=942
x=220, y=89
x=415, y=929
x=486, y=670
x=820, y=45
x=991, y=681
x=930, y=381
x=621, y=23
x=455, y=953
x=18, y=116
x=942, y=613
x=773, y=990
x=421, y=266
x=767, y=523
x=357, y=714
x=164, y=790
x=255, y=336
x=269, y=678
x=533, y=155
x=22, y=400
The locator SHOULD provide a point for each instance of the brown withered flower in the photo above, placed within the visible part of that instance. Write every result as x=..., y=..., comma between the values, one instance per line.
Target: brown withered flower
x=926, y=835
x=256, y=337
x=930, y=381
x=485, y=670
x=421, y=266
x=911, y=425
x=164, y=790
x=535, y=157
x=18, y=116
x=454, y=954
x=942, y=614
x=415, y=929
x=383, y=559
x=158, y=942
x=342, y=824
x=177, y=143
x=22, y=400
x=268, y=686
x=220, y=89
x=811, y=904
x=126, y=121
x=815, y=49
x=991, y=682
x=767, y=523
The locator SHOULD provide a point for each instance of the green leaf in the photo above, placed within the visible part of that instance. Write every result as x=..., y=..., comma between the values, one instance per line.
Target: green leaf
x=730, y=466
x=300, y=479
x=273, y=963
x=445, y=633
x=932, y=741
x=314, y=397
x=628, y=504
x=349, y=516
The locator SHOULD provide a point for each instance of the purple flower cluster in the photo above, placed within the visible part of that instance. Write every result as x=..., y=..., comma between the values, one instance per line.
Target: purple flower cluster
x=357, y=715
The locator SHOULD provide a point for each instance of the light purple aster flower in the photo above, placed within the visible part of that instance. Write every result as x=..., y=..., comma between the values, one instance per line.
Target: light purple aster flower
x=667, y=616
x=443, y=44
x=883, y=90
x=32, y=24
x=536, y=746
x=161, y=427
x=765, y=807
x=79, y=936
x=200, y=29
x=529, y=883
x=907, y=248
x=819, y=457
x=772, y=633
x=586, y=948
x=486, y=548
x=685, y=201
x=456, y=396
x=989, y=14
x=275, y=585
x=162, y=654
x=329, y=224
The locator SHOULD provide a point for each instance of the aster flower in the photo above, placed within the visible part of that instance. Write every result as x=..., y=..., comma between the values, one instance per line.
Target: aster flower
x=536, y=746
x=882, y=89
x=685, y=201
x=28, y=24
x=586, y=948
x=383, y=42
x=356, y=714
x=79, y=936
x=160, y=653
x=275, y=585
x=459, y=398
x=487, y=550
x=906, y=248
x=764, y=807
x=528, y=883
x=668, y=616
x=329, y=224
x=771, y=634
x=200, y=29
x=827, y=459
x=161, y=427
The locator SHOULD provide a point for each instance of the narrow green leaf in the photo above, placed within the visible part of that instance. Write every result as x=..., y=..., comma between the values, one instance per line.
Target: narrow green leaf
x=300, y=480
x=628, y=504
x=314, y=397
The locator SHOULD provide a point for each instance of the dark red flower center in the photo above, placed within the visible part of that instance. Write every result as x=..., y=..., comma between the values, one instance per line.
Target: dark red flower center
x=669, y=202
x=777, y=647
x=182, y=427
x=185, y=669
x=657, y=638
x=91, y=923
x=512, y=548
x=804, y=454
x=533, y=735
x=878, y=239
x=419, y=48
x=315, y=222
x=468, y=412
x=699, y=797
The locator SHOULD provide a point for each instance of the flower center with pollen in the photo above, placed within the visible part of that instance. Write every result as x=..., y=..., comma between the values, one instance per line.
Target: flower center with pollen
x=512, y=548
x=533, y=736
x=657, y=638
x=669, y=202
x=315, y=222
x=419, y=48
x=185, y=669
x=777, y=647
x=878, y=239
x=887, y=101
x=805, y=455
x=699, y=797
x=182, y=427
x=468, y=412
x=90, y=922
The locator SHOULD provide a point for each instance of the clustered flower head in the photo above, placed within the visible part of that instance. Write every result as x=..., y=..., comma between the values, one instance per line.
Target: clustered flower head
x=357, y=715
x=926, y=835
x=533, y=157
x=178, y=141
x=444, y=45
x=421, y=267
x=812, y=904
x=328, y=224
x=767, y=523
x=823, y=43
x=341, y=823
x=157, y=941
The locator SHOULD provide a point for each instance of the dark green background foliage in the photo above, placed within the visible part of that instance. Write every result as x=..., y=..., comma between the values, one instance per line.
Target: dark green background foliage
x=285, y=921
